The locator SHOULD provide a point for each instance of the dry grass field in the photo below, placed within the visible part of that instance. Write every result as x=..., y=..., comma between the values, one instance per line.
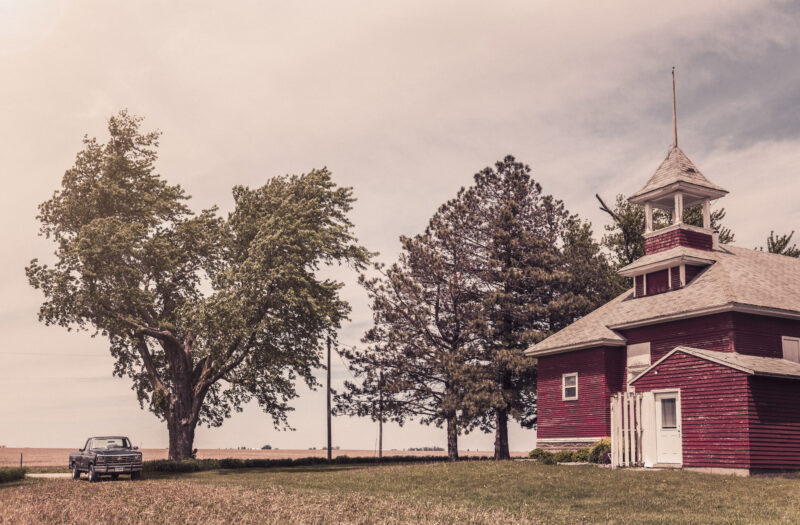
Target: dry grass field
x=57, y=457
x=467, y=492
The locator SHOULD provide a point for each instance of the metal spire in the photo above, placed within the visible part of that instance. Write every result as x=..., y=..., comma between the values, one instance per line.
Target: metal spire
x=674, y=113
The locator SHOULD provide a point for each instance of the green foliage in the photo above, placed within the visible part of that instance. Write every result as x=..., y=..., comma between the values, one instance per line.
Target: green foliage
x=564, y=456
x=9, y=474
x=542, y=456
x=548, y=458
x=539, y=270
x=536, y=453
x=780, y=244
x=197, y=465
x=599, y=452
x=499, y=267
x=582, y=455
x=203, y=313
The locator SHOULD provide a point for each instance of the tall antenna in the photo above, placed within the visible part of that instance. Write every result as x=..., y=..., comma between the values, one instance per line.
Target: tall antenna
x=674, y=113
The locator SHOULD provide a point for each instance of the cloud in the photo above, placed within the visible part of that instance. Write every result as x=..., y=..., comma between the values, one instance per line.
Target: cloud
x=404, y=102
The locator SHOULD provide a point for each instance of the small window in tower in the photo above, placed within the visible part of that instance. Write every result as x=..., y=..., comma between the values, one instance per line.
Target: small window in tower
x=791, y=348
x=569, y=386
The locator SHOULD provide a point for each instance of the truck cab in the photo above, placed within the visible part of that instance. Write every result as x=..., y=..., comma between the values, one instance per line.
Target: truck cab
x=106, y=455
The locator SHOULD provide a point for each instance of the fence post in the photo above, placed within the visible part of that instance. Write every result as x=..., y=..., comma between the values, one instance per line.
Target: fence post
x=20, y=460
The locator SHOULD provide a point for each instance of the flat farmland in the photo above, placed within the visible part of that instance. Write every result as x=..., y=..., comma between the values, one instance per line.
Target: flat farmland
x=57, y=457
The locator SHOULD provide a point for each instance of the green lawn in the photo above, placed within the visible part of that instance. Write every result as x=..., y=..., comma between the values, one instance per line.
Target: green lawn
x=477, y=492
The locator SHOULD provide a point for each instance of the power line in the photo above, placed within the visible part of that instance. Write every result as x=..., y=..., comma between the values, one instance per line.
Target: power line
x=50, y=354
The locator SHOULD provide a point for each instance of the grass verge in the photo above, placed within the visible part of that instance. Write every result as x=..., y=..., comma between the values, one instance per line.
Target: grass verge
x=471, y=492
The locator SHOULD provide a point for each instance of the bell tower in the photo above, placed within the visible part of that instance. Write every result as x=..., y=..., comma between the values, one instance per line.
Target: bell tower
x=676, y=253
x=676, y=185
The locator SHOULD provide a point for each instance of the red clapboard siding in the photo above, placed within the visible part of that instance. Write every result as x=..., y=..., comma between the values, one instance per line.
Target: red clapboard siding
x=600, y=371
x=710, y=332
x=673, y=238
x=715, y=413
x=657, y=282
x=775, y=423
x=760, y=335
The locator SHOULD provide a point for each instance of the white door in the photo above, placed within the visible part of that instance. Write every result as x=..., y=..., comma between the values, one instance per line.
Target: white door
x=669, y=445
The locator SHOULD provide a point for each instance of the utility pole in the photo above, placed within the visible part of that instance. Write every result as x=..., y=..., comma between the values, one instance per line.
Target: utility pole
x=329, y=397
x=380, y=416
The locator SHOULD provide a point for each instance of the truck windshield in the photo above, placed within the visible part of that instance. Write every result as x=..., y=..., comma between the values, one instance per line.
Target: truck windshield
x=109, y=443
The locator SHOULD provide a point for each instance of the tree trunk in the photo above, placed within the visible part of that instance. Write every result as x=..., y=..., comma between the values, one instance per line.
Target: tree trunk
x=452, y=439
x=501, y=435
x=181, y=435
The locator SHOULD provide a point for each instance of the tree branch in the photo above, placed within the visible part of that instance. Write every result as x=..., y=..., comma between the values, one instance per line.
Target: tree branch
x=150, y=367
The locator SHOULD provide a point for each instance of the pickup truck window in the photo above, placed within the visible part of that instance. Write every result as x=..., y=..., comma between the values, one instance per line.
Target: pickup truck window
x=109, y=444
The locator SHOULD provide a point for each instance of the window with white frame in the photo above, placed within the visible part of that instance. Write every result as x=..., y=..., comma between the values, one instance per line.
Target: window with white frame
x=638, y=359
x=791, y=348
x=569, y=386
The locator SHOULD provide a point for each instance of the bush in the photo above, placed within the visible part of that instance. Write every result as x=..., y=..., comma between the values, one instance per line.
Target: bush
x=9, y=474
x=581, y=455
x=548, y=458
x=195, y=465
x=537, y=453
x=600, y=452
x=187, y=465
x=564, y=456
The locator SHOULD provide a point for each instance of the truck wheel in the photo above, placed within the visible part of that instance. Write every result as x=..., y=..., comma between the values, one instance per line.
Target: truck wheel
x=92, y=474
x=136, y=475
x=76, y=474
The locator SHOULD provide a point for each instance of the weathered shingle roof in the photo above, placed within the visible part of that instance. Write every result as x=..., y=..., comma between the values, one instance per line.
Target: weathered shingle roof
x=676, y=168
x=739, y=279
x=749, y=364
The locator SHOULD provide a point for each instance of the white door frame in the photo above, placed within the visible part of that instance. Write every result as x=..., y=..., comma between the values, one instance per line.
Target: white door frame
x=657, y=396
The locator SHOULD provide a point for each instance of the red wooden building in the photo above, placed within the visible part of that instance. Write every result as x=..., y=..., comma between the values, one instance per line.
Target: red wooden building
x=708, y=333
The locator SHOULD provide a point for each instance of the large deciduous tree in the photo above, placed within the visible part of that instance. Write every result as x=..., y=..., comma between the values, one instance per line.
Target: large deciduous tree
x=203, y=313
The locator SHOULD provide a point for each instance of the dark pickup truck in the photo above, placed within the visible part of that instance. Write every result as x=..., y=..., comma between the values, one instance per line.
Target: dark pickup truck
x=111, y=455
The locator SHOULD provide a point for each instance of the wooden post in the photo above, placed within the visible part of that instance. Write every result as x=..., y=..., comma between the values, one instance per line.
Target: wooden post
x=329, y=397
x=380, y=416
x=20, y=460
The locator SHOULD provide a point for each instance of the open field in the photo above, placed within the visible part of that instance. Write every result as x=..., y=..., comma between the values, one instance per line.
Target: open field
x=57, y=457
x=471, y=492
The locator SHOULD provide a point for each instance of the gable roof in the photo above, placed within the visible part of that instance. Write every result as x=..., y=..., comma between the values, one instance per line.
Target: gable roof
x=740, y=279
x=676, y=168
x=749, y=364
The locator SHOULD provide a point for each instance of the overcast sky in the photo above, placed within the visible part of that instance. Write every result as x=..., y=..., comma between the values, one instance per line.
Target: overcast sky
x=403, y=101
